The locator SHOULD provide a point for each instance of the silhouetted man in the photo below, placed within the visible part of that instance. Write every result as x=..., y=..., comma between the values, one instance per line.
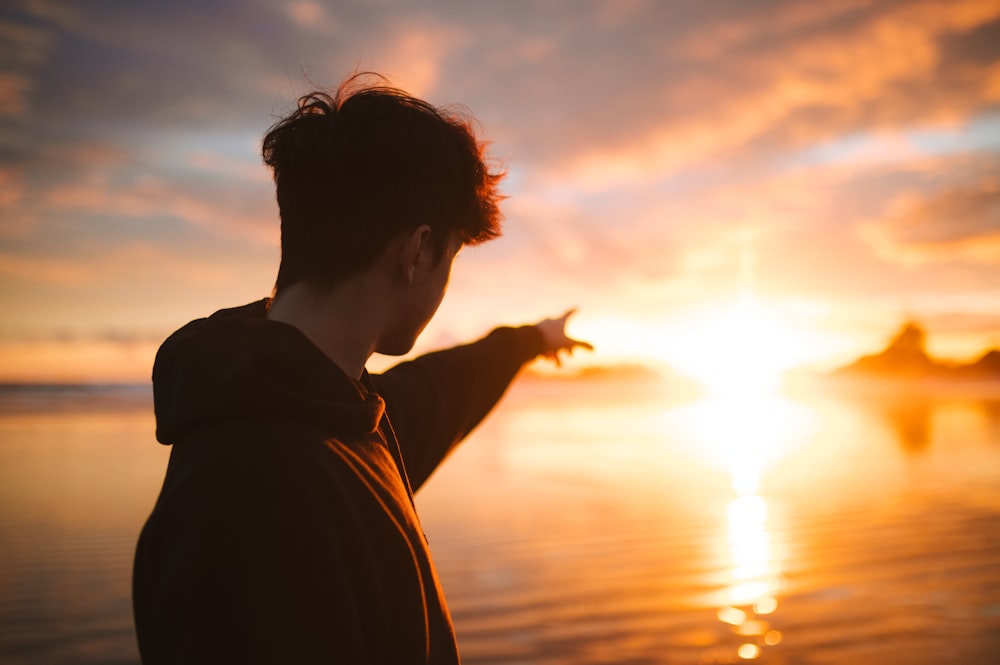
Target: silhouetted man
x=285, y=531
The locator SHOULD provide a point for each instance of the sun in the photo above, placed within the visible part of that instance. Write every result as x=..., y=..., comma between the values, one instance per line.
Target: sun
x=737, y=347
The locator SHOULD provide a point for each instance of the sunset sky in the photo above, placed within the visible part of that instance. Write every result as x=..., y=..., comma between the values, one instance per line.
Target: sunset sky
x=787, y=180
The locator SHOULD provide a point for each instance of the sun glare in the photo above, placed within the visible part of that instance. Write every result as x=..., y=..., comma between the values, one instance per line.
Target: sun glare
x=744, y=435
x=737, y=348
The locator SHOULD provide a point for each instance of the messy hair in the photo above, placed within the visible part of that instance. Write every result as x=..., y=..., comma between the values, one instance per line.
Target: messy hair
x=354, y=169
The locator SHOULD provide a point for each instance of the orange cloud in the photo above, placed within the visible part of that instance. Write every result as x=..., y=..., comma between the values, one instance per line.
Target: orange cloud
x=14, y=90
x=76, y=361
x=23, y=48
x=962, y=223
x=415, y=52
x=228, y=210
x=136, y=263
x=11, y=188
x=14, y=221
x=815, y=81
x=185, y=270
x=656, y=152
x=45, y=270
x=307, y=13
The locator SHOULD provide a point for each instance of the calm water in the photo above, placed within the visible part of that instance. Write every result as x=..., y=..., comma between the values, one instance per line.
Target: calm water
x=585, y=523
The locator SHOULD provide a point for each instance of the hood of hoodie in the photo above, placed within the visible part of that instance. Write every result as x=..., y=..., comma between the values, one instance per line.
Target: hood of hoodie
x=238, y=365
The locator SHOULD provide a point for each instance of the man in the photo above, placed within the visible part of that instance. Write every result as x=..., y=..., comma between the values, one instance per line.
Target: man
x=285, y=531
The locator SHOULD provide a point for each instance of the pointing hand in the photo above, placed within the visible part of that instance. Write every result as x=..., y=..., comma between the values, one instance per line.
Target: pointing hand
x=554, y=333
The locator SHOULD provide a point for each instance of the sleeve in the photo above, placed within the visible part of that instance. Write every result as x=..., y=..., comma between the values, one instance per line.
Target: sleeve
x=435, y=400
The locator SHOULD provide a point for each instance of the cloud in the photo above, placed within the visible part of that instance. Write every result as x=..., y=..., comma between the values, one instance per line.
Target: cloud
x=415, y=53
x=135, y=262
x=23, y=48
x=233, y=212
x=778, y=80
x=650, y=145
x=143, y=288
x=952, y=320
x=598, y=96
x=79, y=360
x=307, y=13
x=960, y=223
x=169, y=180
x=152, y=66
x=13, y=219
x=44, y=269
x=13, y=94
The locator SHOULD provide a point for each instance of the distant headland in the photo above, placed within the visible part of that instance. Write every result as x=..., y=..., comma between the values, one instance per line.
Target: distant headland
x=904, y=367
x=906, y=357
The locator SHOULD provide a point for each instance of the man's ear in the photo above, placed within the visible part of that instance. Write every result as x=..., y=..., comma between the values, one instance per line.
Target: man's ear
x=415, y=244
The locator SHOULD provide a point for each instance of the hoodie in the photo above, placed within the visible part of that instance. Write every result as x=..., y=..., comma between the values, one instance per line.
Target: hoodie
x=285, y=531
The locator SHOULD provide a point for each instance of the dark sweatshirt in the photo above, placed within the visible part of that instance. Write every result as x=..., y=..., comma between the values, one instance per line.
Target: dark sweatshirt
x=285, y=531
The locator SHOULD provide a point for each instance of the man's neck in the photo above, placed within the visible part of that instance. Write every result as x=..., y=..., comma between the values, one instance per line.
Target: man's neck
x=335, y=319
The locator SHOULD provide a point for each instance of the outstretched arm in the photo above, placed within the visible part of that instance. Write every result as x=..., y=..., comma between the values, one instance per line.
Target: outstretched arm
x=434, y=401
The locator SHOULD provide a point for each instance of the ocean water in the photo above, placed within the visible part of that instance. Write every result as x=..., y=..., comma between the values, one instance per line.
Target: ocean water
x=589, y=522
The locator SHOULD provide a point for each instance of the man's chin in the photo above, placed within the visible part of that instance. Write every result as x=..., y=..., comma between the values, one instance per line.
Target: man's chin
x=399, y=342
x=400, y=348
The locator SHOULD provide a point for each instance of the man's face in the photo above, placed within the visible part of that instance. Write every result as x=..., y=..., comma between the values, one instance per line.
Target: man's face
x=422, y=299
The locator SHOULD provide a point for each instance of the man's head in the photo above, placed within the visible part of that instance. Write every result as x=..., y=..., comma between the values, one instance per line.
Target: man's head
x=356, y=169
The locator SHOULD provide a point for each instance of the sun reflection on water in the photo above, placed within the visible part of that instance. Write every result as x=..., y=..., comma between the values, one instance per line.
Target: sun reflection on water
x=744, y=436
x=754, y=575
x=750, y=549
